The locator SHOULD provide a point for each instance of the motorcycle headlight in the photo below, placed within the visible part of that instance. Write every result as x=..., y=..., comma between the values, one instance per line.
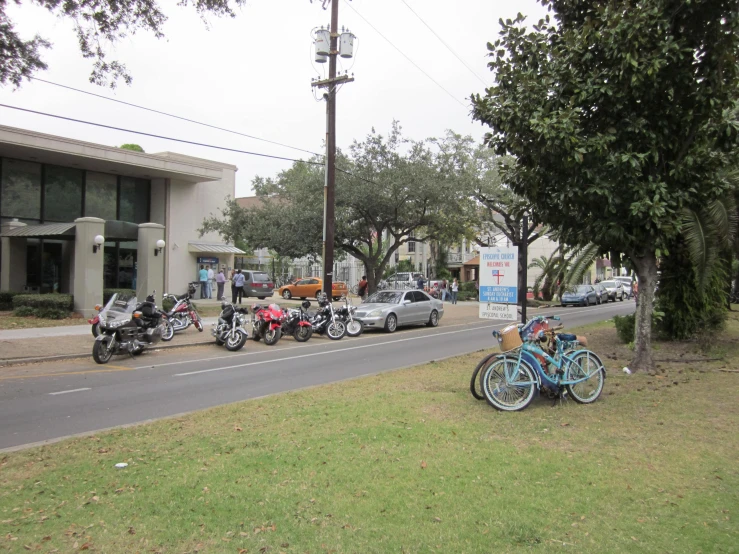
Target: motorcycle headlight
x=114, y=324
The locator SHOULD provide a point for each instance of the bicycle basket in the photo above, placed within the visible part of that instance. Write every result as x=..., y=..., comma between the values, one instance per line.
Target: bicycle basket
x=509, y=338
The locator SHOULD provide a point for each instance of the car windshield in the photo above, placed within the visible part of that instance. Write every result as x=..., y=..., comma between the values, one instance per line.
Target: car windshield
x=608, y=283
x=582, y=288
x=399, y=277
x=384, y=297
x=626, y=280
x=260, y=277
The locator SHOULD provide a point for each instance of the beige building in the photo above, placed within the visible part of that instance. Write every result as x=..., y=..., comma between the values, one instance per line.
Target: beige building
x=79, y=217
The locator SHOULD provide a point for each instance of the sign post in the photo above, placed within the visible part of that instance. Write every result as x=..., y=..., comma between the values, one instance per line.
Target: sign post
x=499, y=283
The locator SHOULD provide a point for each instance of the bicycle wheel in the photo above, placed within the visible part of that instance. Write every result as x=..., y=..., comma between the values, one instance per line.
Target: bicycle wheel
x=587, y=366
x=509, y=385
x=476, y=372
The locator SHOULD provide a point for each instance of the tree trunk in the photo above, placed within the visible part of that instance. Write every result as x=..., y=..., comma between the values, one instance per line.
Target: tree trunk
x=646, y=272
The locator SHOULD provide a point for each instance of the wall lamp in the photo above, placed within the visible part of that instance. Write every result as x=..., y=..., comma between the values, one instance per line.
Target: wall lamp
x=97, y=243
x=160, y=245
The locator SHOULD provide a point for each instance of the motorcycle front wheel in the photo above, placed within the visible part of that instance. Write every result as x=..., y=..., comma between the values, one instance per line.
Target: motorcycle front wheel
x=235, y=342
x=168, y=332
x=303, y=333
x=272, y=336
x=336, y=330
x=101, y=353
x=354, y=328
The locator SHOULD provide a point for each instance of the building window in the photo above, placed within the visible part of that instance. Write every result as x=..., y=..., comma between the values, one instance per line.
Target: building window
x=411, y=243
x=21, y=189
x=101, y=195
x=134, y=200
x=62, y=193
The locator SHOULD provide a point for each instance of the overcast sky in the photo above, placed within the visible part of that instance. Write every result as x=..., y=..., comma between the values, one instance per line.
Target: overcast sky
x=252, y=74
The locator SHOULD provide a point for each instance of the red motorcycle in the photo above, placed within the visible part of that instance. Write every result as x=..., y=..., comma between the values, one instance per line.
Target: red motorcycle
x=267, y=323
x=183, y=313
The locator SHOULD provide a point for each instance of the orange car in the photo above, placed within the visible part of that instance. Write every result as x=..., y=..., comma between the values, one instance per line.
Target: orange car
x=310, y=287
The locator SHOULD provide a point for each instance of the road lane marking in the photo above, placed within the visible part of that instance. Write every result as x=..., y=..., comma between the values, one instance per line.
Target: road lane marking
x=64, y=373
x=68, y=391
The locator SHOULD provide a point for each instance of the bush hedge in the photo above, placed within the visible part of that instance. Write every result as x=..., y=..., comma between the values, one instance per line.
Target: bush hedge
x=625, y=327
x=6, y=300
x=48, y=306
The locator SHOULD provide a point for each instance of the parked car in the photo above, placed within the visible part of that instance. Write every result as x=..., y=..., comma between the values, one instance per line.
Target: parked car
x=626, y=282
x=257, y=283
x=582, y=295
x=615, y=289
x=389, y=309
x=602, y=293
x=310, y=287
x=404, y=280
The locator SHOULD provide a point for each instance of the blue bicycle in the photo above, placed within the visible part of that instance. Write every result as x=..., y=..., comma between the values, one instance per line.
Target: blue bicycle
x=538, y=359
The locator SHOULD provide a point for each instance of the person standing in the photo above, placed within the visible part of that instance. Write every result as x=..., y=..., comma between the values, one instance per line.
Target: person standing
x=203, y=278
x=220, y=283
x=420, y=282
x=455, y=290
x=444, y=290
x=362, y=287
x=233, y=286
x=239, y=281
x=211, y=280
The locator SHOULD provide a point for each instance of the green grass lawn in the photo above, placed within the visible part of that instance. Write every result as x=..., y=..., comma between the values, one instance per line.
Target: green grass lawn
x=406, y=461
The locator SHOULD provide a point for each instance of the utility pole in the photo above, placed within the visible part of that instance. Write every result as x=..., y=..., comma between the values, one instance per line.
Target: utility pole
x=524, y=253
x=331, y=84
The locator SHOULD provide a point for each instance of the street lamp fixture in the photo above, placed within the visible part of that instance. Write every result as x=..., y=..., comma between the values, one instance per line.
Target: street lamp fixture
x=160, y=246
x=97, y=242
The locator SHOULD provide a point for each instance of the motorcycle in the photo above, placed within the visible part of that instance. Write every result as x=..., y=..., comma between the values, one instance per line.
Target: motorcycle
x=128, y=326
x=267, y=323
x=354, y=327
x=230, y=330
x=183, y=313
x=326, y=321
x=295, y=322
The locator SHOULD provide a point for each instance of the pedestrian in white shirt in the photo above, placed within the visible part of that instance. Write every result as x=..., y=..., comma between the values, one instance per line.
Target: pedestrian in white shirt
x=211, y=281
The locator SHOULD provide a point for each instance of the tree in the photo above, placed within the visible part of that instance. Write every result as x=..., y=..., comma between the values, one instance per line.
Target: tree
x=619, y=116
x=387, y=188
x=97, y=24
x=132, y=147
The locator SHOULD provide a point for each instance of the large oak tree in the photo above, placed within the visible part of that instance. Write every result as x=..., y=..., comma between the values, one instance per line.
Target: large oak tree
x=619, y=116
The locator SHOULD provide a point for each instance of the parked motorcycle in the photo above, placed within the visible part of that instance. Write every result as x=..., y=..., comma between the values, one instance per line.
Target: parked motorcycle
x=267, y=323
x=354, y=327
x=183, y=313
x=296, y=322
x=326, y=321
x=230, y=330
x=128, y=326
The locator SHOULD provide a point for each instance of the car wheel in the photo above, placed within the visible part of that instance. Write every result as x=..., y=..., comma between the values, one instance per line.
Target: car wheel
x=318, y=292
x=391, y=323
x=433, y=319
x=587, y=301
x=287, y=295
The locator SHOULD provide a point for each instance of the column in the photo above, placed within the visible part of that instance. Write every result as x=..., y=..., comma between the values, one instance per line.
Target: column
x=87, y=279
x=150, y=262
x=13, y=262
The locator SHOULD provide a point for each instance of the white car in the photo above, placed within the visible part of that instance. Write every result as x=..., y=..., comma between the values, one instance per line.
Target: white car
x=389, y=309
x=626, y=282
x=404, y=280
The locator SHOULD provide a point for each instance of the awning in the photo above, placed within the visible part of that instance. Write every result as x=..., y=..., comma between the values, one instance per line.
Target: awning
x=473, y=261
x=44, y=230
x=212, y=248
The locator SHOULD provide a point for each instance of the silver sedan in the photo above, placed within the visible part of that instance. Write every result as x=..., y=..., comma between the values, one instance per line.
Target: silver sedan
x=389, y=309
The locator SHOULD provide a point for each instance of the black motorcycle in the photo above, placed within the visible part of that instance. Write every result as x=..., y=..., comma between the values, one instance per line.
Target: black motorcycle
x=354, y=326
x=297, y=323
x=230, y=330
x=128, y=327
x=326, y=321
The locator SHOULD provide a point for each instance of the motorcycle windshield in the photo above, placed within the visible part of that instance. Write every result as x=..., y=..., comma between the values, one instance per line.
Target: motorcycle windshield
x=118, y=309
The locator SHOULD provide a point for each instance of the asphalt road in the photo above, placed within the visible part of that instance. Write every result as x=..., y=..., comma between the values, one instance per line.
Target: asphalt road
x=81, y=397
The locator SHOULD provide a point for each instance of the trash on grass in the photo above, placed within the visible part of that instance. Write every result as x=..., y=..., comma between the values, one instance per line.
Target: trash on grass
x=627, y=371
x=121, y=465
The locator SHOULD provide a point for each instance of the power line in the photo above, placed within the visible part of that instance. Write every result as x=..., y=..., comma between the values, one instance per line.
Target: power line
x=406, y=57
x=444, y=43
x=182, y=140
x=174, y=116
x=159, y=136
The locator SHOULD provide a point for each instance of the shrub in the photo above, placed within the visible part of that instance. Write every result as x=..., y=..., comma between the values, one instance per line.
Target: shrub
x=50, y=306
x=625, y=327
x=6, y=300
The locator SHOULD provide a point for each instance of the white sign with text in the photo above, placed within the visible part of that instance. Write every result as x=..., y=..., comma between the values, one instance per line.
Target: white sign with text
x=498, y=283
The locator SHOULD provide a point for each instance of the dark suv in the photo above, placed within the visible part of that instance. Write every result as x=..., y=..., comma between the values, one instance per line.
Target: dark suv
x=257, y=283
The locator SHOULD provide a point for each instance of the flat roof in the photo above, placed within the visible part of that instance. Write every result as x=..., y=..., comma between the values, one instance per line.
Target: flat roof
x=30, y=145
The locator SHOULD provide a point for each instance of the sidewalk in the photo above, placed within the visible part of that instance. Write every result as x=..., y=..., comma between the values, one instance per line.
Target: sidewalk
x=21, y=346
